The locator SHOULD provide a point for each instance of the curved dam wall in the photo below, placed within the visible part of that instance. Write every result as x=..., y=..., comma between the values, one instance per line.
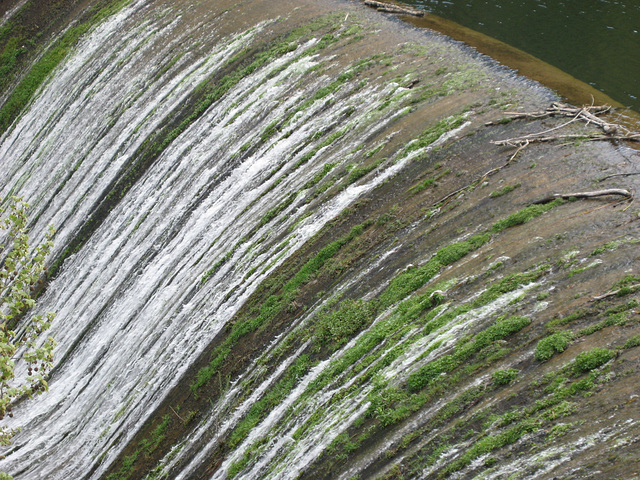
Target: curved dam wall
x=289, y=246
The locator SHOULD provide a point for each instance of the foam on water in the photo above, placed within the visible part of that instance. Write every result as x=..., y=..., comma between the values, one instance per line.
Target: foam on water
x=133, y=311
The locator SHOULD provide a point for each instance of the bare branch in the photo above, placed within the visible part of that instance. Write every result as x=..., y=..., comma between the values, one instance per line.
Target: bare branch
x=587, y=113
x=393, y=8
x=596, y=193
x=618, y=175
x=616, y=292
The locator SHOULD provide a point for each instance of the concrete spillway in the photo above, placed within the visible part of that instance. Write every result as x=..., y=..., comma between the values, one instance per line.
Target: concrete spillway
x=289, y=246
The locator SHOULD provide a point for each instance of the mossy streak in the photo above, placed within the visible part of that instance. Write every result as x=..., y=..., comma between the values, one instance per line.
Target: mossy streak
x=272, y=306
x=24, y=91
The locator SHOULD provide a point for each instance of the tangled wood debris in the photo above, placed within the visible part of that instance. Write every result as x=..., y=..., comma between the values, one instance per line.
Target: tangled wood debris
x=587, y=114
x=392, y=8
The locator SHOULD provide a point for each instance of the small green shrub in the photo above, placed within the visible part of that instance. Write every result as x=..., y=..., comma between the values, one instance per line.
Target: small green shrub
x=357, y=173
x=382, y=405
x=559, y=430
x=524, y=215
x=454, y=252
x=542, y=296
x=606, y=247
x=490, y=462
x=500, y=330
x=504, y=377
x=633, y=342
x=342, y=324
x=548, y=346
x=594, y=358
x=419, y=187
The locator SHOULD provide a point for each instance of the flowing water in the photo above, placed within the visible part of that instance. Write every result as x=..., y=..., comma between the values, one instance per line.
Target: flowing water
x=135, y=309
x=266, y=138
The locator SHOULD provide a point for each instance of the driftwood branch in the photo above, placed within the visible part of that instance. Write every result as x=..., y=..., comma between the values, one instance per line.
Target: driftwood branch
x=618, y=175
x=587, y=112
x=392, y=8
x=532, y=138
x=616, y=292
x=181, y=419
x=597, y=193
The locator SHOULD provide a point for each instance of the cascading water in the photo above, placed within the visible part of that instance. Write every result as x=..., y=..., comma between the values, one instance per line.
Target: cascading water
x=192, y=159
x=136, y=281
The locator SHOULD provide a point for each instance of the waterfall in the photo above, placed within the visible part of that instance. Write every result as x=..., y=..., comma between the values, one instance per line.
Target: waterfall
x=188, y=155
x=133, y=312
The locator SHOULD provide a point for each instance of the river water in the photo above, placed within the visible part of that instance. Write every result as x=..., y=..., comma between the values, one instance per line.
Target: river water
x=596, y=41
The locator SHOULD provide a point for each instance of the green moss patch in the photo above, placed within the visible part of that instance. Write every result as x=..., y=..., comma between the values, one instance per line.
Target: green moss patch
x=552, y=344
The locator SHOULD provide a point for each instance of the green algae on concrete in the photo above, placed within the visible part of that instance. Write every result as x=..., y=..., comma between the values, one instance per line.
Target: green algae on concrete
x=502, y=341
x=395, y=406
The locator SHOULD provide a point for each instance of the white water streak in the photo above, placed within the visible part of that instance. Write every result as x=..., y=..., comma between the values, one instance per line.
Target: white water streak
x=131, y=317
x=312, y=445
x=122, y=321
x=9, y=13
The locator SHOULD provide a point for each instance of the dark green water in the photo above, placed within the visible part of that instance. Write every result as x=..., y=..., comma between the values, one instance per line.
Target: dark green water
x=596, y=41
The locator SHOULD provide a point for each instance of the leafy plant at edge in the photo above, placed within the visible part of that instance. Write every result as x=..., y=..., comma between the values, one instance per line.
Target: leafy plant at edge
x=21, y=270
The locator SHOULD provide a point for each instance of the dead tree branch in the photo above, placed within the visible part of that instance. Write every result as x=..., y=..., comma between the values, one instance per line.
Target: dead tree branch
x=618, y=175
x=181, y=419
x=587, y=114
x=392, y=8
x=616, y=292
x=532, y=138
x=596, y=193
